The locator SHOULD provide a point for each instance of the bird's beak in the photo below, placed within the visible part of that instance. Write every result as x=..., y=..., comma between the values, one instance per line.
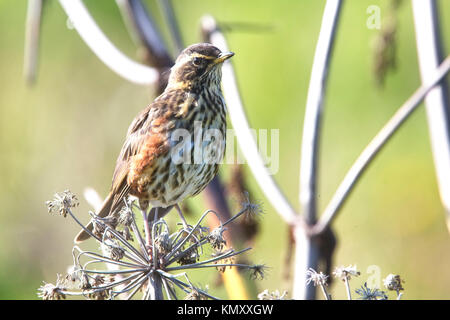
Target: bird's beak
x=223, y=56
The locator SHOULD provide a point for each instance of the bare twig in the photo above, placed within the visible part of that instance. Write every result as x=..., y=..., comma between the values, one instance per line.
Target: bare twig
x=32, y=35
x=375, y=146
x=146, y=29
x=167, y=9
x=314, y=103
x=308, y=253
x=429, y=50
x=347, y=289
x=130, y=25
x=104, y=49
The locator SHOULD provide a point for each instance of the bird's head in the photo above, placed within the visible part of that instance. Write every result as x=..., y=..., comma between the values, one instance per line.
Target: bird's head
x=198, y=64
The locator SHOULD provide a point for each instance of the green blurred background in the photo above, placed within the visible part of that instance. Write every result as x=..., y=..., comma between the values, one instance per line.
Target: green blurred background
x=65, y=133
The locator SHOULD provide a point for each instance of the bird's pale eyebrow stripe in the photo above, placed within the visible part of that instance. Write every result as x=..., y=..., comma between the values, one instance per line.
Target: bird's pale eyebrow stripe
x=199, y=55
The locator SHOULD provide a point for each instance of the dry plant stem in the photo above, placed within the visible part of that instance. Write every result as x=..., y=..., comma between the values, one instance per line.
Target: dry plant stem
x=347, y=287
x=154, y=284
x=127, y=17
x=144, y=27
x=32, y=35
x=146, y=227
x=375, y=146
x=313, y=113
x=155, y=289
x=180, y=213
x=324, y=291
x=242, y=129
x=429, y=50
x=307, y=252
x=104, y=49
x=167, y=9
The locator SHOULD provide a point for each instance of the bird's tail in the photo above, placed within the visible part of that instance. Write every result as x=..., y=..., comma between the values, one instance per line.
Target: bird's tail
x=103, y=212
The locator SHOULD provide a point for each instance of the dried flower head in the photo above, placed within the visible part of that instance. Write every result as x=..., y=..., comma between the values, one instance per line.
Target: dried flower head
x=346, y=273
x=224, y=262
x=50, y=291
x=163, y=243
x=216, y=238
x=73, y=274
x=85, y=283
x=62, y=202
x=274, y=295
x=317, y=278
x=99, y=228
x=112, y=249
x=99, y=293
x=126, y=216
x=366, y=293
x=126, y=233
x=252, y=209
x=190, y=256
x=393, y=282
x=258, y=271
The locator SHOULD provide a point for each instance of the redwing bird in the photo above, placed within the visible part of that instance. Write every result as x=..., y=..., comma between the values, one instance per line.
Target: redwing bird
x=153, y=165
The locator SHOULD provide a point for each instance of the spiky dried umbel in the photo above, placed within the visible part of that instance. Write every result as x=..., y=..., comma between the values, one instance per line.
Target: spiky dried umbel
x=367, y=293
x=157, y=268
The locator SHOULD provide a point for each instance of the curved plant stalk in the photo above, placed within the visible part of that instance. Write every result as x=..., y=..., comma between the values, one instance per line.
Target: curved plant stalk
x=32, y=36
x=104, y=49
x=375, y=146
x=167, y=9
x=313, y=111
x=307, y=251
x=429, y=51
x=142, y=25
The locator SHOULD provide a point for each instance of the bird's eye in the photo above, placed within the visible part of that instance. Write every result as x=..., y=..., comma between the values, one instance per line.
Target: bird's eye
x=197, y=61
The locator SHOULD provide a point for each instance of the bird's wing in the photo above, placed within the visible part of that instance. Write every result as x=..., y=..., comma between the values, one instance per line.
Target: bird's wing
x=146, y=140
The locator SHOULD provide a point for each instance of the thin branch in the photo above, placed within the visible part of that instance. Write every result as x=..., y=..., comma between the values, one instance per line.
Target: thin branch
x=104, y=49
x=347, y=288
x=307, y=250
x=155, y=287
x=240, y=124
x=130, y=25
x=429, y=50
x=171, y=20
x=143, y=26
x=375, y=146
x=32, y=35
x=313, y=112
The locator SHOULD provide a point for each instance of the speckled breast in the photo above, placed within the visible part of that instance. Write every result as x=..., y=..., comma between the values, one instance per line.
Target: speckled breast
x=197, y=146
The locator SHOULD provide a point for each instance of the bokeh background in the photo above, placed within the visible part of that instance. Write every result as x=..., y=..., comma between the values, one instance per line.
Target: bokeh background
x=65, y=133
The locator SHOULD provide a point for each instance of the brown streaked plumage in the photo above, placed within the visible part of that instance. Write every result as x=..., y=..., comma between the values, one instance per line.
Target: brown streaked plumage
x=154, y=165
